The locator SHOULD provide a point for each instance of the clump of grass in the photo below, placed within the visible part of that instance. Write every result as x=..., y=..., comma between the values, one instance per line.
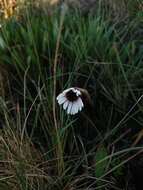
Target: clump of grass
x=20, y=160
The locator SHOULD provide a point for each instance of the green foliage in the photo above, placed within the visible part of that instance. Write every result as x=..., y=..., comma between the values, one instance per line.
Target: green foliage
x=96, y=52
x=120, y=170
x=101, y=161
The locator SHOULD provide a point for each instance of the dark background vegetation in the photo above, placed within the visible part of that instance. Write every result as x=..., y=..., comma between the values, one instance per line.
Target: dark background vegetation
x=100, y=49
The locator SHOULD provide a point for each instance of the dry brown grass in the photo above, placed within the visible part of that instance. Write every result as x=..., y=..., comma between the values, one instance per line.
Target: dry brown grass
x=19, y=162
x=8, y=7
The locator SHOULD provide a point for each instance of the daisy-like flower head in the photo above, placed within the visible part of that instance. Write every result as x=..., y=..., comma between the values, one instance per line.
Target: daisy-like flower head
x=71, y=100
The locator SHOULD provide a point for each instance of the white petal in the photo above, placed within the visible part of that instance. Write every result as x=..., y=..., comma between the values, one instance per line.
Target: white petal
x=80, y=108
x=80, y=104
x=80, y=100
x=69, y=108
x=65, y=105
x=62, y=100
x=59, y=96
x=78, y=92
x=74, y=90
x=67, y=90
x=74, y=108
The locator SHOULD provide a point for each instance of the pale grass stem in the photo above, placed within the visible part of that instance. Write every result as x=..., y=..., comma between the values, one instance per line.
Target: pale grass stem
x=59, y=151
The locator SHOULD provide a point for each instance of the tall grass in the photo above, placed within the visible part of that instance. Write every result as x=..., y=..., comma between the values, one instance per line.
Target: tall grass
x=40, y=52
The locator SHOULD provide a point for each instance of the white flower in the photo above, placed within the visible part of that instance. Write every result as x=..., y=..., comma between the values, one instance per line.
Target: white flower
x=71, y=100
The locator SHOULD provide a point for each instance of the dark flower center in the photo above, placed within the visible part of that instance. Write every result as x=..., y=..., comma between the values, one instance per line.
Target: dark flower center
x=71, y=96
